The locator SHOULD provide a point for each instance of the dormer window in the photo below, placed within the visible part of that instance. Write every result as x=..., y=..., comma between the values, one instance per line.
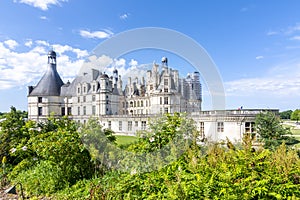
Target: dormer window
x=40, y=99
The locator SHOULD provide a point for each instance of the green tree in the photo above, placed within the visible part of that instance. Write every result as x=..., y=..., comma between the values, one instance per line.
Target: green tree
x=270, y=130
x=12, y=133
x=296, y=115
x=286, y=114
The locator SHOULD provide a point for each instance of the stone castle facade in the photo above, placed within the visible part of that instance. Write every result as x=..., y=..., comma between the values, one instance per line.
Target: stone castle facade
x=127, y=108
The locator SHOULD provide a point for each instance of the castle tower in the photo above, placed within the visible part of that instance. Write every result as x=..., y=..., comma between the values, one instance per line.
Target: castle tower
x=44, y=98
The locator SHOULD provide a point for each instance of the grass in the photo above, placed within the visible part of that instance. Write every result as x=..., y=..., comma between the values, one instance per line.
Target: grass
x=125, y=139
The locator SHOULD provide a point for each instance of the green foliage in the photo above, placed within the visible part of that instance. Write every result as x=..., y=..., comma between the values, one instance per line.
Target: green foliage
x=286, y=114
x=12, y=133
x=218, y=174
x=56, y=163
x=296, y=115
x=270, y=130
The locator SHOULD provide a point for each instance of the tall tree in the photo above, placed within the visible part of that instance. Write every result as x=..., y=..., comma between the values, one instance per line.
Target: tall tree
x=296, y=115
x=270, y=130
x=286, y=114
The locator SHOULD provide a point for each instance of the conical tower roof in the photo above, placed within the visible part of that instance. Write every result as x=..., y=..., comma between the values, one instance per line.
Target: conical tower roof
x=51, y=83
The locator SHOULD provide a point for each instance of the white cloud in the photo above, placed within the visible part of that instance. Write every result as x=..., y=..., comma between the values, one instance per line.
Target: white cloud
x=12, y=44
x=43, y=18
x=124, y=16
x=41, y=4
x=28, y=43
x=133, y=63
x=280, y=81
x=295, y=38
x=96, y=34
x=20, y=69
x=259, y=57
x=293, y=29
x=272, y=33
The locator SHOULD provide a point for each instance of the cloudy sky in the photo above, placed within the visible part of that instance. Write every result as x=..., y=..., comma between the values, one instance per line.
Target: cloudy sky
x=255, y=44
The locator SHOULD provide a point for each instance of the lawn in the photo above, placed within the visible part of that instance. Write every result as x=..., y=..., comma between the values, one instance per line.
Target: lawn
x=125, y=139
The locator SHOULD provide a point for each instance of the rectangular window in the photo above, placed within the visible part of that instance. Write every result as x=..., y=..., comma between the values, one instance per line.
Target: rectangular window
x=166, y=81
x=151, y=87
x=93, y=110
x=144, y=124
x=78, y=90
x=142, y=103
x=84, y=110
x=166, y=90
x=93, y=98
x=249, y=127
x=40, y=99
x=78, y=110
x=40, y=111
x=120, y=126
x=160, y=100
x=84, y=89
x=84, y=98
x=94, y=88
x=136, y=123
x=69, y=111
x=202, y=129
x=129, y=126
x=220, y=127
x=78, y=99
x=166, y=100
x=109, y=124
x=63, y=111
x=166, y=110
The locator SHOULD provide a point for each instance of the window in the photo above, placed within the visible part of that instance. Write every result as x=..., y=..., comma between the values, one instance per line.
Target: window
x=93, y=98
x=249, y=127
x=146, y=103
x=142, y=103
x=93, y=110
x=84, y=89
x=63, y=111
x=78, y=110
x=166, y=81
x=129, y=126
x=84, y=110
x=220, y=128
x=40, y=111
x=202, y=129
x=84, y=98
x=151, y=87
x=120, y=125
x=78, y=90
x=69, y=111
x=78, y=99
x=40, y=99
x=134, y=103
x=166, y=90
x=109, y=124
x=166, y=100
x=160, y=100
x=144, y=125
x=123, y=104
x=136, y=123
x=138, y=103
x=166, y=110
x=94, y=88
x=160, y=110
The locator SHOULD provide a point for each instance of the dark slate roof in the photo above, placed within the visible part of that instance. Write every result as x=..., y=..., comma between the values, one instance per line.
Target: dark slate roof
x=49, y=85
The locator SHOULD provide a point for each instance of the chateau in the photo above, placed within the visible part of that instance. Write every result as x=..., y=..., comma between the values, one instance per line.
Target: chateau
x=127, y=109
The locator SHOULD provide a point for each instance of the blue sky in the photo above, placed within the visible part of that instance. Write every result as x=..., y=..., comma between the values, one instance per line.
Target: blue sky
x=255, y=44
